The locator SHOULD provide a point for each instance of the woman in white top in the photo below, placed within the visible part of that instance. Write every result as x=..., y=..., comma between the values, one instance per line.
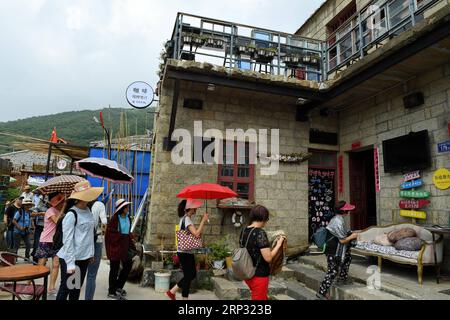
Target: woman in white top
x=187, y=209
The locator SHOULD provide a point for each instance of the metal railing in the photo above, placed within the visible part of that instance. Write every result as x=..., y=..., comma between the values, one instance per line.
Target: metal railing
x=377, y=22
x=234, y=45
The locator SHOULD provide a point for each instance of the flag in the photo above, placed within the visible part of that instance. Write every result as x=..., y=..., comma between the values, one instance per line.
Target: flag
x=54, y=138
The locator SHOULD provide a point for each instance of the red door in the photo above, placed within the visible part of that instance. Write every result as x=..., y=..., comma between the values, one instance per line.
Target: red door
x=362, y=190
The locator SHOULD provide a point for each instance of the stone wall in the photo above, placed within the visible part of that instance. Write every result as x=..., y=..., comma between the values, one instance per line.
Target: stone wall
x=285, y=194
x=384, y=117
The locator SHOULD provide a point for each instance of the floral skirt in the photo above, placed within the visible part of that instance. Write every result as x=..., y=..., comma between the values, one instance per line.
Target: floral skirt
x=45, y=251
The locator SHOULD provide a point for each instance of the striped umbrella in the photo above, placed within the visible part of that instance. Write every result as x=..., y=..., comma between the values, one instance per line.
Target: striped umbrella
x=63, y=184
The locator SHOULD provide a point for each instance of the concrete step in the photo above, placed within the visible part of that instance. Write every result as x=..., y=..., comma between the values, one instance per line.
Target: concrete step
x=225, y=289
x=298, y=291
x=312, y=278
x=282, y=297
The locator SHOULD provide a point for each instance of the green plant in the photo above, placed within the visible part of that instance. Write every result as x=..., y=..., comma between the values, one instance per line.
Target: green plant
x=219, y=251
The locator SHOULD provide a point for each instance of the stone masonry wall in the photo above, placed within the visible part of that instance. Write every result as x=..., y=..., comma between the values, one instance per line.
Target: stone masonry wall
x=285, y=194
x=384, y=117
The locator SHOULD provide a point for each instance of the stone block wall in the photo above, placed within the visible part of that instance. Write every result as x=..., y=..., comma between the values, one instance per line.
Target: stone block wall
x=384, y=117
x=285, y=194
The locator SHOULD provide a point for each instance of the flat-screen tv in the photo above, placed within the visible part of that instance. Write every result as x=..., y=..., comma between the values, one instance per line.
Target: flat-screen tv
x=407, y=153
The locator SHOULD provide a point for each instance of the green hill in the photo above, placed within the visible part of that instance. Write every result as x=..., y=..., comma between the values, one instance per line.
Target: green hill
x=78, y=127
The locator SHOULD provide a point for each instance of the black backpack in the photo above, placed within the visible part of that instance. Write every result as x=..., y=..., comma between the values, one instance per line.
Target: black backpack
x=58, y=236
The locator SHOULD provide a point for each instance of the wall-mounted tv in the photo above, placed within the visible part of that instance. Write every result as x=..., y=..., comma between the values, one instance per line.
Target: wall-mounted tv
x=407, y=153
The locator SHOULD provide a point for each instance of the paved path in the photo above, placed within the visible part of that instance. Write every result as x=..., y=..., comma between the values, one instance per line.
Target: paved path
x=135, y=292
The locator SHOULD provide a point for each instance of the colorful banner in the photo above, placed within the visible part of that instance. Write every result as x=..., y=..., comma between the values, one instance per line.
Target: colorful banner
x=377, y=170
x=413, y=214
x=341, y=174
x=412, y=184
x=415, y=194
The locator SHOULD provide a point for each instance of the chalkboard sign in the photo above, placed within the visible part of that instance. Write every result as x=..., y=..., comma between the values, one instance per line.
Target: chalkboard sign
x=321, y=198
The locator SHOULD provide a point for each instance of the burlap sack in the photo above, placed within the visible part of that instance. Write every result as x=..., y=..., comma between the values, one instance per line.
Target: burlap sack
x=397, y=235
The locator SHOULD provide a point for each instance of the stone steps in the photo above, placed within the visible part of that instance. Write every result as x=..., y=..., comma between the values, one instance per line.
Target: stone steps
x=311, y=278
x=225, y=289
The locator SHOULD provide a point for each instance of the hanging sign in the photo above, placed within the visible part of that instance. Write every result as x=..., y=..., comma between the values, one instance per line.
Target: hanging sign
x=444, y=147
x=412, y=176
x=415, y=194
x=140, y=95
x=441, y=179
x=377, y=171
x=413, y=214
x=341, y=174
x=414, y=204
x=412, y=184
x=62, y=164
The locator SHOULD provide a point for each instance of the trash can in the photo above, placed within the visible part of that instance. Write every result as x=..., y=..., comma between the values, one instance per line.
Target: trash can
x=162, y=282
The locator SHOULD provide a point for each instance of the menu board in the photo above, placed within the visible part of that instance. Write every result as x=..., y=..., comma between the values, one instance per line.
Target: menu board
x=321, y=198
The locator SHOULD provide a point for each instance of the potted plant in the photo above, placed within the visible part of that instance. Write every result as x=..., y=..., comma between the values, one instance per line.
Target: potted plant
x=315, y=58
x=251, y=48
x=218, y=255
x=306, y=58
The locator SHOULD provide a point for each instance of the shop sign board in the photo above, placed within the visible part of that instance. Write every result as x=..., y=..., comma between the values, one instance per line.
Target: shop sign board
x=413, y=214
x=412, y=184
x=441, y=179
x=414, y=204
x=412, y=176
x=444, y=147
x=415, y=194
x=140, y=95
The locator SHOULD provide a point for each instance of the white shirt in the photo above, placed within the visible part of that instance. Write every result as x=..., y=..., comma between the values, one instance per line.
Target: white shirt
x=28, y=195
x=99, y=213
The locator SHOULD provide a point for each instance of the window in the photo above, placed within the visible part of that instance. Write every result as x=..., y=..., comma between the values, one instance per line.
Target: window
x=236, y=172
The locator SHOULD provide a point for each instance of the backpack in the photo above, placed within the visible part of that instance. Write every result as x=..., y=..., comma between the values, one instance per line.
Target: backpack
x=320, y=238
x=58, y=236
x=243, y=268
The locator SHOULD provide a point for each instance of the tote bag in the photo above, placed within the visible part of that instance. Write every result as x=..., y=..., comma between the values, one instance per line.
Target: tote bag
x=186, y=240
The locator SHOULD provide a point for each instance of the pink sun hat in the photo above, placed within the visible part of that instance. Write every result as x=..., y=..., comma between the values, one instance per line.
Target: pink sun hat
x=348, y=207
x=193, y=204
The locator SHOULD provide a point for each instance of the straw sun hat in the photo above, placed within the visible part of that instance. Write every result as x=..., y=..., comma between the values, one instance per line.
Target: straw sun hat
x=85, y=192
x=121, y=203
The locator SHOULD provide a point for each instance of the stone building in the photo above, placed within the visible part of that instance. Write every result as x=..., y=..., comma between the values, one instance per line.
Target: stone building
x=335, y=93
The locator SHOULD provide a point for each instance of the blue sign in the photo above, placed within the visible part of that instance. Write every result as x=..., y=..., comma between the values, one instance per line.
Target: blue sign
x=444, y=147
x=412, y=184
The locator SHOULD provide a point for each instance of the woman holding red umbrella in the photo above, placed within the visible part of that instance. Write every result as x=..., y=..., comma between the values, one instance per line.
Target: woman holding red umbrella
x=187, y=209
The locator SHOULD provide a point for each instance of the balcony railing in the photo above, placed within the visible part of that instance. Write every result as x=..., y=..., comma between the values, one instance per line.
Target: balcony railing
x=381, y=20
x=234, y=45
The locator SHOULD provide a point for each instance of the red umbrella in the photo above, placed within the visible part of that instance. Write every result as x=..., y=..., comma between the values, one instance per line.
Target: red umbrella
x=207, y=191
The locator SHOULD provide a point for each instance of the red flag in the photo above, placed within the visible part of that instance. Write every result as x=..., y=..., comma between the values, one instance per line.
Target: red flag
x=54, y=138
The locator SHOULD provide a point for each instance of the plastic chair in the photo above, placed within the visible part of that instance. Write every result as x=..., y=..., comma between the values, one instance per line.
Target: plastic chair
x=33, y=290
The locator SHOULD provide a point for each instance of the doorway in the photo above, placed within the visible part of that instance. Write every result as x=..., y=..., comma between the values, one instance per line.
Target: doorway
x=322, y=191
x=362, y=189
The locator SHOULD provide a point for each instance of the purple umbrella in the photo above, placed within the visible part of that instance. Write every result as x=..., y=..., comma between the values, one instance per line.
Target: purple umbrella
x=105, y=169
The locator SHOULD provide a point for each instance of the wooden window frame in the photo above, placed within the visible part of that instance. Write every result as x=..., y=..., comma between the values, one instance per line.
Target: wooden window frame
x=235, y=180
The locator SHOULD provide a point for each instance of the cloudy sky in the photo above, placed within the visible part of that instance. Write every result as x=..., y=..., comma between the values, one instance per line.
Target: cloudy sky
x=63, y=55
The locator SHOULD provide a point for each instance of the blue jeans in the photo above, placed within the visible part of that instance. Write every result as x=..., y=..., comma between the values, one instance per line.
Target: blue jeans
x=92, y=272
x=10, y=239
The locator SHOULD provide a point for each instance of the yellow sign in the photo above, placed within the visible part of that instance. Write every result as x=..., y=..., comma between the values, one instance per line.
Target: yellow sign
x=413, y=214
x=441, y=179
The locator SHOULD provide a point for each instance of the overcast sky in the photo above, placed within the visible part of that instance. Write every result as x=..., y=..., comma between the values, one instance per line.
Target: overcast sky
x=64, y=55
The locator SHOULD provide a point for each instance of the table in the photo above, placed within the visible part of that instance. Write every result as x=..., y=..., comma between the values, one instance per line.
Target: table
x=25, y=272
x=441, y=231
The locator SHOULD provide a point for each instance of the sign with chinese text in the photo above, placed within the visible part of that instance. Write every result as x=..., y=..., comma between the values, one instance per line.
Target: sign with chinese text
x=140, y=95
x=412, y=184
x=377, y=171
x=356, y=145
x=341, y=174
x=415, y=194
x=441, y=179
x=412, y=176
x=444, y=147
x=413, y=214
x=414, y=204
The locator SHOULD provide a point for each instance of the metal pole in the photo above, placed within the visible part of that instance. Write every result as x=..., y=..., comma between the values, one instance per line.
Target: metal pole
x=411, y=11
x=48, y=161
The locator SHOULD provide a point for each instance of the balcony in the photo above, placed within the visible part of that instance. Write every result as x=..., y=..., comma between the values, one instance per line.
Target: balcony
x=371, y=28
x=233, y=45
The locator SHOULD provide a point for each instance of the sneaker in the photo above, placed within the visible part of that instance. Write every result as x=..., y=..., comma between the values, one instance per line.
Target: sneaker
x=115, y=297
x=122, y=292
x=52, y=292
x=171, y=295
